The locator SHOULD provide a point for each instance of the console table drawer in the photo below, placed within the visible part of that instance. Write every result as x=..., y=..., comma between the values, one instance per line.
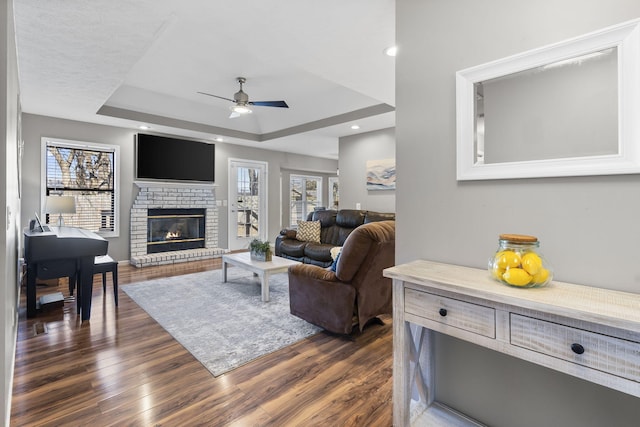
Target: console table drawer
x=601, y=352
x=460, y=314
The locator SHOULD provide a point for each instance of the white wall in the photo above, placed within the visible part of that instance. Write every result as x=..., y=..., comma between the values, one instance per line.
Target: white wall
x=588, y=226
x=355, y=151
x=9, y=199
x=35, y=127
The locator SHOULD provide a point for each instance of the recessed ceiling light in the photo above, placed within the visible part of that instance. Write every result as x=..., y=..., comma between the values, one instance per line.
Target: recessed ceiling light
x=144, y=127
x=219, y=139
x=391, y=51
x=355, y=127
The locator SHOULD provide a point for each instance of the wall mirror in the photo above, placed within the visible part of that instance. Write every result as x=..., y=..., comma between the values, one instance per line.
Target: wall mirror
x=566, y=109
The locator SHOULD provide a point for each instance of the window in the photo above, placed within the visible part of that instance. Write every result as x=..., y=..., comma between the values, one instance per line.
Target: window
x=88, y=173
x=305, y=194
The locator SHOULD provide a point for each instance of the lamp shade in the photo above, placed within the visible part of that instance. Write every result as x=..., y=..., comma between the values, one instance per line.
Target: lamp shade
x=61, y=205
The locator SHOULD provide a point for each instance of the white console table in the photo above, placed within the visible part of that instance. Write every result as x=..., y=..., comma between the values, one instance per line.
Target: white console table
x=588, y=332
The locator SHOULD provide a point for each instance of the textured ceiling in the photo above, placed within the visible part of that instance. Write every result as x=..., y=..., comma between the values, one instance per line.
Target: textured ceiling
x=125, y=63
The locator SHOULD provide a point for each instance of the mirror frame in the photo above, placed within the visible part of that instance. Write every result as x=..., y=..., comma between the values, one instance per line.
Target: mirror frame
x=626, y=38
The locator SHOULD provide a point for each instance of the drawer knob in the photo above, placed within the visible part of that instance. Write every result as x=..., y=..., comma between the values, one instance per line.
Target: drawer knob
x=443, y=312
x=577, y=348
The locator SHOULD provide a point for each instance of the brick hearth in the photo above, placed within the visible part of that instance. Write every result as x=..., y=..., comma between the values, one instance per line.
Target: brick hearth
x=173, y=196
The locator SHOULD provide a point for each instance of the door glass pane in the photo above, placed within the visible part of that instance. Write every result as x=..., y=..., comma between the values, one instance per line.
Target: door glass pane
x=248, y=211
x=334, y=193
x=295, y=197
x=311, y=194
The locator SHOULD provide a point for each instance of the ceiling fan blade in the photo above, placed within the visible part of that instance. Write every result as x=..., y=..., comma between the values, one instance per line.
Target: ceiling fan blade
x=280, y=104
x=216, y=96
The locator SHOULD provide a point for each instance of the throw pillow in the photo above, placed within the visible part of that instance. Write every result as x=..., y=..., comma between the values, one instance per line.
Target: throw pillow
x=308, y=231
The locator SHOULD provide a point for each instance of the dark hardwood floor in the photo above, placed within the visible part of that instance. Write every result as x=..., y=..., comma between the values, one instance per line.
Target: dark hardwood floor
x=122, y=368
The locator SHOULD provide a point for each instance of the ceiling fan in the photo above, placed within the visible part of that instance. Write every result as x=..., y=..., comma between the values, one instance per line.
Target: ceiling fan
x=242, y=103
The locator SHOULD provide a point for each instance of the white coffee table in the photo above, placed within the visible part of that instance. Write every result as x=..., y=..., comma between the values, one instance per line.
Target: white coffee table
x=260, y=268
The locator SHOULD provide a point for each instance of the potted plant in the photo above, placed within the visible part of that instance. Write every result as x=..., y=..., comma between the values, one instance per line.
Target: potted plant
x=260, y=251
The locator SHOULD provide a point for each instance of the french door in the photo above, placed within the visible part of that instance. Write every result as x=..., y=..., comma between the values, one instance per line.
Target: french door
x=247, y=202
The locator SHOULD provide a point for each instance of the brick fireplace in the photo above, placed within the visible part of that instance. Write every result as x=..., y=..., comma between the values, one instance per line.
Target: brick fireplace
x=172, y=223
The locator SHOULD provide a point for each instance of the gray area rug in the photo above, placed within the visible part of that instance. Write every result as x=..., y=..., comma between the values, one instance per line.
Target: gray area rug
x=224, y=325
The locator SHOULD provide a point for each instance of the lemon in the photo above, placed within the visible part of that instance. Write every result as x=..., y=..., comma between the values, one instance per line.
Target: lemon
x=508, y=259
x=517, y=277
x=541, y=276
x=497, y=272
x=531, y=263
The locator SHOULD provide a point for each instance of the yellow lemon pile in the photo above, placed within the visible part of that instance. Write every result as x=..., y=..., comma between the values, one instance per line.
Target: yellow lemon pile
x=518, y=269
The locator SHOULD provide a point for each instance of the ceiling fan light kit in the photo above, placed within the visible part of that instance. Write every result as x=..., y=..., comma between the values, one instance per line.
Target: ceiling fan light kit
x=241, y=109
x=241, y=101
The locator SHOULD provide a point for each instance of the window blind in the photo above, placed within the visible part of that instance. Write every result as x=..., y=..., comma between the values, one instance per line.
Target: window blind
x=86, y=173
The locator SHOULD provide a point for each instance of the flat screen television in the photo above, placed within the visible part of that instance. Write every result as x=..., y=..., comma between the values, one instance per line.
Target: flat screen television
x=163, y=158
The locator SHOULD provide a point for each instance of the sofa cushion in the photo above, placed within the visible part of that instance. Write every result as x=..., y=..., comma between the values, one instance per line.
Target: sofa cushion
x=327, y=218
x=322, y=264
x=342, y=235
x=292, y=247
x=318, y=251
x=372, y=216
x=350, y=218
x=332, y=235
x=308, y=231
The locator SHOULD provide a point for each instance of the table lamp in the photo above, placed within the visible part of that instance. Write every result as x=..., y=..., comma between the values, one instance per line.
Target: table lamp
x=61, y=205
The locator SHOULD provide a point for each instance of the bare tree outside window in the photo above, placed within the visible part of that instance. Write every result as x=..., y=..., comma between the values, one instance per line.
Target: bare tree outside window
x=87, y=174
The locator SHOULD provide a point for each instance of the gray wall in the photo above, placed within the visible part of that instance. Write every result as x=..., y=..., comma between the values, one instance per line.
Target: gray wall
x=35, y=127
x=355, y=151
x=9, y=198
x=588, y=226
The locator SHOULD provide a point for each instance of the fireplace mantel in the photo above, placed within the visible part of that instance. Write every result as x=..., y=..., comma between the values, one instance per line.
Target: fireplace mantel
x=163, y=184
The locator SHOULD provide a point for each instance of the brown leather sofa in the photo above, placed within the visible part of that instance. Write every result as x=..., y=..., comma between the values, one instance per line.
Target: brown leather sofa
x=356, y=292
x=335, y=227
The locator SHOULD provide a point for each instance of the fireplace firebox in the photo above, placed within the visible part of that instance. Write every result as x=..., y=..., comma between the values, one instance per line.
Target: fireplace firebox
x=175, y=229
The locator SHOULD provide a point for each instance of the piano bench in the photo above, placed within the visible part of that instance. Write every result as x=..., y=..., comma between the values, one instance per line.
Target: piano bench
x=103, y=265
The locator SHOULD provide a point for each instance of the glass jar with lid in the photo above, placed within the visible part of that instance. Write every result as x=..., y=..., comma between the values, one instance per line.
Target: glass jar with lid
x=519, y=263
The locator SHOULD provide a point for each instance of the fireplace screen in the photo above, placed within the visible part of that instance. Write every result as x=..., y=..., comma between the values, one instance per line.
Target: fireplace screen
x=175, y=229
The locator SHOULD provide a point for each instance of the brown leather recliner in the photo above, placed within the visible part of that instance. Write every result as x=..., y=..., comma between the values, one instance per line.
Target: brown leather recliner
x=356, y=292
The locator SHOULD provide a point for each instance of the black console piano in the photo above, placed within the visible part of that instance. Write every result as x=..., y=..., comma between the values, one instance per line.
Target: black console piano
x=62, y=252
